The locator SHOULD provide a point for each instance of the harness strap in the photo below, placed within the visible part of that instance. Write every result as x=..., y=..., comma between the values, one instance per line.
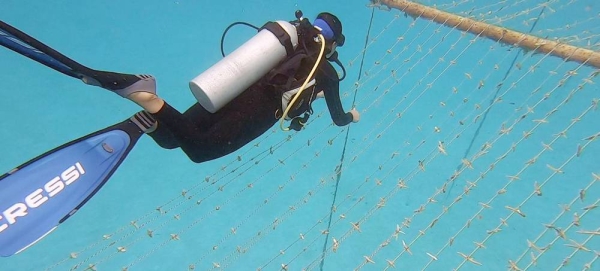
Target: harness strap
x=283, y=36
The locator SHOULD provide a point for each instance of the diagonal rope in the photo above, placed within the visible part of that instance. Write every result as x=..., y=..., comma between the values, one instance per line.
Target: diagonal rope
x=340, y=166
x=485, y=114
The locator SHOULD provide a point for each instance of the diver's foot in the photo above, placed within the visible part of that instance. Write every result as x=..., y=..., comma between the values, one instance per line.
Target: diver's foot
x=120, y=83
x=144, y=121
x=149, y=101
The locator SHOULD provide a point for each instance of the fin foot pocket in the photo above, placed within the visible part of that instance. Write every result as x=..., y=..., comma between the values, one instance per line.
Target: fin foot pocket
x=120, y=83
x=144, y=121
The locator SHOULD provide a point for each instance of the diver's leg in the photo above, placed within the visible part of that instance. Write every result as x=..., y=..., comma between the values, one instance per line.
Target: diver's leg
x=201, y=141
x=140, y=89
x=205, y=136
x=196, y=113
x=190, y=135
x=202, y=138
x=163, y=137
x=174, y=129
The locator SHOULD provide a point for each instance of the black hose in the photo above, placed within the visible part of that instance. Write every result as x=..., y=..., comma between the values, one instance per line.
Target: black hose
x=227, y=29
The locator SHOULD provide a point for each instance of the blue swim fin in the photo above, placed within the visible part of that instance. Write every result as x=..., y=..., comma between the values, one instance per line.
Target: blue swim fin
x=120, y=83
x=28, y=46
x=42, y=193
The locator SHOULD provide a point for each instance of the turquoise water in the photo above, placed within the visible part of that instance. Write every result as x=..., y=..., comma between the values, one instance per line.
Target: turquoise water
x=499, y=115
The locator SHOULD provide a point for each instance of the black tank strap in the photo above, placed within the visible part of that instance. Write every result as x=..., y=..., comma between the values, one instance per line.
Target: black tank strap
x=283, y=37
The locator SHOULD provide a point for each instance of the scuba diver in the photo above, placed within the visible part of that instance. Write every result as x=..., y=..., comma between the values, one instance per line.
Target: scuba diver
x=204, y=136
x=274, y=76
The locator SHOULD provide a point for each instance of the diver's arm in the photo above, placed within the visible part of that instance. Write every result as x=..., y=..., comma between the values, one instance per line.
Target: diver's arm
x=327, y=80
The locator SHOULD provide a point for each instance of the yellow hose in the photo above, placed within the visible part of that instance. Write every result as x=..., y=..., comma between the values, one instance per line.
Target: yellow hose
x=303, y=87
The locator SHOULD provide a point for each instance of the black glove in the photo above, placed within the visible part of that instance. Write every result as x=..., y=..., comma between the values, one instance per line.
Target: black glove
x=298, y=123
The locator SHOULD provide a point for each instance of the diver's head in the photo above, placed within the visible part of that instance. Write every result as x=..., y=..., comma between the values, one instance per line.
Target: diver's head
x=331, y=28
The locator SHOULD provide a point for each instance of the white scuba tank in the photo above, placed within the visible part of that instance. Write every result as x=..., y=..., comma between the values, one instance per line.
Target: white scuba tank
x=233, y=74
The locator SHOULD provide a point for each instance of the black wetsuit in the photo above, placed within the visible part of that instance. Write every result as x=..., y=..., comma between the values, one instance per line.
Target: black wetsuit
x=205, y=136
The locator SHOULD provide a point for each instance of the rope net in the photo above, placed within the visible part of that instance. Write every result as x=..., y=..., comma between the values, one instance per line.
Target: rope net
x=473, y=152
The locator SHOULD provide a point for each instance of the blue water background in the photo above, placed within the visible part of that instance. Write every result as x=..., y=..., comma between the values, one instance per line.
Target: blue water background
x=282, y=220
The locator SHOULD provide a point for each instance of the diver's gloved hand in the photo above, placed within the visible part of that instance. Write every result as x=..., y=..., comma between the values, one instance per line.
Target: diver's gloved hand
x=355, y=115
x=120, y=83
x=299, y=122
